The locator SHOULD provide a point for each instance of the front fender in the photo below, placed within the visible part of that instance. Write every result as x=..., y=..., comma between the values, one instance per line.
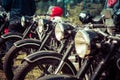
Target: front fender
x=57, y=77
x=27, y=42
x=11, y=35
x=35, y=56
x=32, y=58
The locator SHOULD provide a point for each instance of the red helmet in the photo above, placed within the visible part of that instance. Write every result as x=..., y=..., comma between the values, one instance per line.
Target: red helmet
x=56, y=11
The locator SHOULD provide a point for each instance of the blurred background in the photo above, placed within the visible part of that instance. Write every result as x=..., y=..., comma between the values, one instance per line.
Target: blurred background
x=72, y=8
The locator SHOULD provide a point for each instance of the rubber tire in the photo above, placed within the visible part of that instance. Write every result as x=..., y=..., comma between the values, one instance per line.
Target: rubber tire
x=25, y=67
x=11, y=55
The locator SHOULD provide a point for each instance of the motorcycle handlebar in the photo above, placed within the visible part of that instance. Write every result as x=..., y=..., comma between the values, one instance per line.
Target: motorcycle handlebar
x=114, y=37
x=94, y=26
x=98, y=26
x=109, y=36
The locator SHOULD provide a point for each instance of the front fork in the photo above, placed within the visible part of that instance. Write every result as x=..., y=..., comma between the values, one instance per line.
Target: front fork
x=65, y=56
x=25, y=33
x=46, y=39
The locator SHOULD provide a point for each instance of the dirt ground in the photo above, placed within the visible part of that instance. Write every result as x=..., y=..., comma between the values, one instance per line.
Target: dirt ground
x=2, y=76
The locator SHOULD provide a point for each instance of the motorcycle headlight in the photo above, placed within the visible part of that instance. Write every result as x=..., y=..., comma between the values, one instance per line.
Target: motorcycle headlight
x=59, y=32
x=23, y=21
x=62, y=31
x=26, y=20
x=83, y=42
x=44, y=25
x=40, y=25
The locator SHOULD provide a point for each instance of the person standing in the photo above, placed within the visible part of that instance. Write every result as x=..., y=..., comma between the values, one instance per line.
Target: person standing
x=115, y=6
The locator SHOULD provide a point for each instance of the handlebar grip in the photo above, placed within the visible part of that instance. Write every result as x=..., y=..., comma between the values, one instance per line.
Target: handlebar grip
x=95, y=25
x=104, y=34
x=98, y=26
x=115, y=37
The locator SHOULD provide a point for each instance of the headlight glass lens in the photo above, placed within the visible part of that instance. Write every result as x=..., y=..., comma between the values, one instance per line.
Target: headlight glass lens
x=59, y=33
x=81, y=45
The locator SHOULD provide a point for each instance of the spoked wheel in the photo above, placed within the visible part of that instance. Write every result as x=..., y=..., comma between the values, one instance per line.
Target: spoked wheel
x=14, y=58
x=43, y=65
